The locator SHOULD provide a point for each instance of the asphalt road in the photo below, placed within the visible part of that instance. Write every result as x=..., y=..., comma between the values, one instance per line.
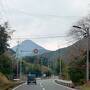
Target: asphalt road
x=48, y=84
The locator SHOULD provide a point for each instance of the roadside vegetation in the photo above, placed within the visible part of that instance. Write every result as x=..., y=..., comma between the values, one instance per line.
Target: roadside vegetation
x=77, y=65
x=37, y=68
x=6, y=84
x=77, y=70
x=6, y=71
x=85, y=86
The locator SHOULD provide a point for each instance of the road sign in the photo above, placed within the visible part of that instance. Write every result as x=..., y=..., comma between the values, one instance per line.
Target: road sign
x=35, y=51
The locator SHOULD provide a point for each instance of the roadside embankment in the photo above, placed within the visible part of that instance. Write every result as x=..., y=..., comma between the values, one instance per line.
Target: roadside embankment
x=6, y=84
x=85, y=86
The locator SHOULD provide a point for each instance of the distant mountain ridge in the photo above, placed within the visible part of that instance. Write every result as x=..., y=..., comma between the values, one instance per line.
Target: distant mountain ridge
x=67, y=53
x=64, y=53
x=27, y=47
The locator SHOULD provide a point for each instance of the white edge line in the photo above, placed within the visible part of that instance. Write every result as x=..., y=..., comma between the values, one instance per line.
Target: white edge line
x=18, y=86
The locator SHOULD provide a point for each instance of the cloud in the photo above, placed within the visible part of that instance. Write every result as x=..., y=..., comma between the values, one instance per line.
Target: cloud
x=43, y=17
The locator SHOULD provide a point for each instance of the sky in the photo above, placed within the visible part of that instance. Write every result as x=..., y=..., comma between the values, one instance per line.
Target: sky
x=43, y=18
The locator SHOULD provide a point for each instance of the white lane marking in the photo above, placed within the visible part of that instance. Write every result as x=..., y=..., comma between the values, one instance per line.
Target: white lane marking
x=18, y=86
x=42, y=86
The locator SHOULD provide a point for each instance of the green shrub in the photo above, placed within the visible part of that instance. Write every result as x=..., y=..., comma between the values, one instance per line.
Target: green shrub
x=5, y=65
x=77, y=71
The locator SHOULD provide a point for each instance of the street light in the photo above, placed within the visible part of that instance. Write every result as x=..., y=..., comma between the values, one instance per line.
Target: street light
x=77, y=27
x=86, y=35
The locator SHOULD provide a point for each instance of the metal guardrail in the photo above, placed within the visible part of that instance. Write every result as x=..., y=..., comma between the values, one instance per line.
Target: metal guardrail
x=65, y=83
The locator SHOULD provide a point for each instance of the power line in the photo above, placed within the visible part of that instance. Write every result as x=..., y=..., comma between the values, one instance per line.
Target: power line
x=67, y=43
x=41, y=37
x=50, y=37
x=41, y=15
x=5, y=4
x=2, y=12
x=3, y=9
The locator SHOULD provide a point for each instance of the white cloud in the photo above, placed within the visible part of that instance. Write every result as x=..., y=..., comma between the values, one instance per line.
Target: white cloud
x=44, y=17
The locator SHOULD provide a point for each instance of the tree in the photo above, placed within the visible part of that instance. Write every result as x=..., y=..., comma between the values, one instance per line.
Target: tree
x=4, y=37
x=78, y=31
x=57, y=69
x=5, y=65
x=77, y=70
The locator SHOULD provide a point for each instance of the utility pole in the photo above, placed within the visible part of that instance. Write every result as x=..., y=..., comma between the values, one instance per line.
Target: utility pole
x=21, y=61
x=17, y=57
x=87, y=63
x=21, y=65
x=11, y=34
x=60, y=62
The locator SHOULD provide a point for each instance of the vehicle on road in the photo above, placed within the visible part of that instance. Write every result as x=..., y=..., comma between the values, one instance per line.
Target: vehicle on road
x=31, y=78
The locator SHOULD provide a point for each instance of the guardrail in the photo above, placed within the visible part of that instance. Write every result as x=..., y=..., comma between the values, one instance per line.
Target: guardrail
x=65, y=83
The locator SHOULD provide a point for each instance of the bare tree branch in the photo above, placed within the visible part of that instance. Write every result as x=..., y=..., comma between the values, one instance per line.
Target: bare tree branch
x=79, y=33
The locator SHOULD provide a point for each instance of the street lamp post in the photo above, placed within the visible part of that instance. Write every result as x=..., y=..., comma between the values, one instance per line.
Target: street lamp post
x=86, y=34
x=87, y=68
x=17, y=59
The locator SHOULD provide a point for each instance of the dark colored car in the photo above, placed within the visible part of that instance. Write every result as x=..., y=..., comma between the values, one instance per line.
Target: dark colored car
x=31, y=78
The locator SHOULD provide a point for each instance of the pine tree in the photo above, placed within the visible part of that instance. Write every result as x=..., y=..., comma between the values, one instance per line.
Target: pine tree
x=4, y=37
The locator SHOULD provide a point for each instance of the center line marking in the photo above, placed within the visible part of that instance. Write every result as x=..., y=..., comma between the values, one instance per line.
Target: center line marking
x=41, y=85
x=43, y=88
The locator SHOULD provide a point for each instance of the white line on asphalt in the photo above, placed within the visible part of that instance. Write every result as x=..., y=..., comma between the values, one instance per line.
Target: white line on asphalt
x=42, y=86
x=18, y=86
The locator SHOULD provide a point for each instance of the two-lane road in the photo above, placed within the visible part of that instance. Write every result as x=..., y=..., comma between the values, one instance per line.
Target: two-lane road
x=48, y=84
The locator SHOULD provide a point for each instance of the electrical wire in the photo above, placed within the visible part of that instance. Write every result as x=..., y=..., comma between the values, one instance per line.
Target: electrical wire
x=41, y=15
x=43, y=37
x=3, y=9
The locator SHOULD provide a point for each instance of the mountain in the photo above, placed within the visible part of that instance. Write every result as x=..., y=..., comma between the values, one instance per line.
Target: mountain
x=67, y=53
x=54, y=55
x=28, y=47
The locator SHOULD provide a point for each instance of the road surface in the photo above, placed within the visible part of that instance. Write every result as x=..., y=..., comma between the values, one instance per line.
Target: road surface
x=47, y=84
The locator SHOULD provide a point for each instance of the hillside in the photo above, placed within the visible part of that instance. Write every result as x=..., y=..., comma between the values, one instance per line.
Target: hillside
x=66, y=53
